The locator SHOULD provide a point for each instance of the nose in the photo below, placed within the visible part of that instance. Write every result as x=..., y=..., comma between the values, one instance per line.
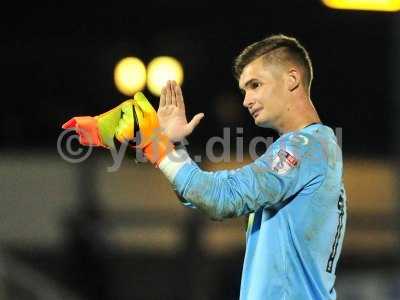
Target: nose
x=248, y=101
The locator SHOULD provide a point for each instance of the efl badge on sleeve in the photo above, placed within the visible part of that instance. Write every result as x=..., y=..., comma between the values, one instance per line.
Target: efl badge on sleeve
x=283, y=162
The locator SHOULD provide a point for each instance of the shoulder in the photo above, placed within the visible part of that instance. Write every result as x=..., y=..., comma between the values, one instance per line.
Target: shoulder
x=297, y=143
x=303, y=150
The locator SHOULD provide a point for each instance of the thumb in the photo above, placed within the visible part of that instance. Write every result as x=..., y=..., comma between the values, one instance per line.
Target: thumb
x=195, y=121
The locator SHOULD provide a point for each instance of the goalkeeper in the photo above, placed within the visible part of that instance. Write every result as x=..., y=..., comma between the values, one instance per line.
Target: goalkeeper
x=293, y=193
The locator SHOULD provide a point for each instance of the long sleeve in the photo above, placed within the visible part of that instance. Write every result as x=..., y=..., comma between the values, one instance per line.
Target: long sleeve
x=289, y=166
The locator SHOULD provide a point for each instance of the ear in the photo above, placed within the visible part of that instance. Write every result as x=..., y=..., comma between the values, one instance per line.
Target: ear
x=293, y=79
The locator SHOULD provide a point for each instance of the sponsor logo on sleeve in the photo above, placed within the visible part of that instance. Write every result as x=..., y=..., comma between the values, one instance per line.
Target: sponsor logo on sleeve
x=283, y=162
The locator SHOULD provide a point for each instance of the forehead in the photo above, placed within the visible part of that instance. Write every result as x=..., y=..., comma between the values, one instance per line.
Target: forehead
x=258, y=69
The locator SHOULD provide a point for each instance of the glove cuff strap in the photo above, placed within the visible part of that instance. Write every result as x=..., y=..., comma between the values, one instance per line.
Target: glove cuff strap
x=158, y=148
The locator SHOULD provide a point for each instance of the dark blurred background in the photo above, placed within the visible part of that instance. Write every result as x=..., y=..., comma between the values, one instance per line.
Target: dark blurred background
x=79, y=231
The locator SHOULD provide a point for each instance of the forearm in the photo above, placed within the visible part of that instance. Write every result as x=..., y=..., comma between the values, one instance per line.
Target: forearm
x=218, y=194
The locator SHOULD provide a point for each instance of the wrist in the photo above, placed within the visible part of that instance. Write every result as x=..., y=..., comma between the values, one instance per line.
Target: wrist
x=158, y=148
x=179, y=145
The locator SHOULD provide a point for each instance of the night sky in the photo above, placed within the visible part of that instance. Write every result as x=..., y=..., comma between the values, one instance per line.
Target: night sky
x=57, y=61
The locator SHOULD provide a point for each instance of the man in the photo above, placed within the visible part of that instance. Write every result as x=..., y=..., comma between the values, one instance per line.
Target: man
x=294, y=192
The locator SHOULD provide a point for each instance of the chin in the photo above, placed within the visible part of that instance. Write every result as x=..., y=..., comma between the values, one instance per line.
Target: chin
x=265, y=125
x=262, y=123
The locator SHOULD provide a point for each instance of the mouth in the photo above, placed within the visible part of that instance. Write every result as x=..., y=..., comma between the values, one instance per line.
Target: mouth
x=255, y=113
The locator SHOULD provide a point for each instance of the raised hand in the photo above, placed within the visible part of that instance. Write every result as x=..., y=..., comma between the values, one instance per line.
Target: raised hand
x=172, y=115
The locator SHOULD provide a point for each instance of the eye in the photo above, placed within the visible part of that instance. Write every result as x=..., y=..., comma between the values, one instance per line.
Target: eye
x=254, y=85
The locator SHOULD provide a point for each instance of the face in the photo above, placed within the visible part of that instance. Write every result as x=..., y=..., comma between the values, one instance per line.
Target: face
x=263, y=86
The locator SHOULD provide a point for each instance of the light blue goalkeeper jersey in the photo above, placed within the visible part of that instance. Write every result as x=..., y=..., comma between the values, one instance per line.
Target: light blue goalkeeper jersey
x=297, y=204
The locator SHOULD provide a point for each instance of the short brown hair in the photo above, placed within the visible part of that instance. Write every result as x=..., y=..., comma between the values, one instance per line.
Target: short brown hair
x=276, y=48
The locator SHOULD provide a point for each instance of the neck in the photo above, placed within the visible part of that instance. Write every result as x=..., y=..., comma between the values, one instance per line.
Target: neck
x=297, y=116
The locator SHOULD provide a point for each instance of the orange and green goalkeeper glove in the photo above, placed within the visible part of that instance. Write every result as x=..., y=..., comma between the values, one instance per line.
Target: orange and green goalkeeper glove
x=102, y=129
x=121, y=123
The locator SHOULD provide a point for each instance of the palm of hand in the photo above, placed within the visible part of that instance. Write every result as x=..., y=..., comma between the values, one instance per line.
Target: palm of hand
x=171, y=113
x=173, y=122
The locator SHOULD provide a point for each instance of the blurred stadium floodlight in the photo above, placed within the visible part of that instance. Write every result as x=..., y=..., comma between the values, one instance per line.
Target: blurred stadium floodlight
x=376, y=5
x=130, y=75
x=161, y=69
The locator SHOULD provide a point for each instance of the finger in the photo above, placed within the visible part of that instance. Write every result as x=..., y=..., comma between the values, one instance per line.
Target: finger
x=168, y=98
x=70, y=123
x=162, y=97
x=179, y=97
x=87, y=141
x=84, y=135
x=173, y=94
x=195, y=121
x=83, y=140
